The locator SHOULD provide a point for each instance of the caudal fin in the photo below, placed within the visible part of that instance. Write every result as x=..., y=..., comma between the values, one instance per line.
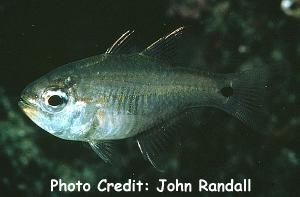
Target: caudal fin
x=244, y=94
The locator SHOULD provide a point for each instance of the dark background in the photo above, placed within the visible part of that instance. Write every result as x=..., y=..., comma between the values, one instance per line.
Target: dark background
x=226, y=35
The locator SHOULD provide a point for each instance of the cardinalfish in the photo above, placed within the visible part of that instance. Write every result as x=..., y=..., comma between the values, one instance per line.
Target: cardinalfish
x=115, y=95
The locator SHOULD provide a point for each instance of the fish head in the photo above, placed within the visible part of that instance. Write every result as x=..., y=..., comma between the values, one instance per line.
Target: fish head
x=50, y=102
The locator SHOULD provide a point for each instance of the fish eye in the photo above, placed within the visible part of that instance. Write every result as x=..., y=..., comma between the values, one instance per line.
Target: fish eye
x=55, y=100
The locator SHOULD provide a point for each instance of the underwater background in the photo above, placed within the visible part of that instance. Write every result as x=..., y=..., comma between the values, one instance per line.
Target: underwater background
x=226, y=36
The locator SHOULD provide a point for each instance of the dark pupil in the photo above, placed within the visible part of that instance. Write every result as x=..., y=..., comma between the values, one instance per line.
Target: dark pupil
x=55, y=100
x=227, y=91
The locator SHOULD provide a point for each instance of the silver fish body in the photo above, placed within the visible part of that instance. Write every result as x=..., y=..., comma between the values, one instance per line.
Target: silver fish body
x=121, y=96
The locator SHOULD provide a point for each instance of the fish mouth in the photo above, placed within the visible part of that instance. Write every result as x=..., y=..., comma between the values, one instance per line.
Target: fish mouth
x=28, y=108
x=23, y=103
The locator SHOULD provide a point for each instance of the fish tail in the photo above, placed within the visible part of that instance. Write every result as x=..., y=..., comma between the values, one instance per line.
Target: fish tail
x=244, y=94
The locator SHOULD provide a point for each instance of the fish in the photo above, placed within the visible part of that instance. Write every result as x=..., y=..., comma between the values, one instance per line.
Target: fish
x=291, y=7
x=118, y=95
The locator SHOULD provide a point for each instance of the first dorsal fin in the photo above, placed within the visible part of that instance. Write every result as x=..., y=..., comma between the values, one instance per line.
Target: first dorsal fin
x=164, y=48
x=118, y=44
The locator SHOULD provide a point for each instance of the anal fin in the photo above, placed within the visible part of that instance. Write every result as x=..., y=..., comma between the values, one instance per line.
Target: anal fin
x=155, y=144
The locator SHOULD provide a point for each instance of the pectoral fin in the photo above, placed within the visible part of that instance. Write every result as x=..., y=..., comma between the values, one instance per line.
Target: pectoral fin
x=104, y=149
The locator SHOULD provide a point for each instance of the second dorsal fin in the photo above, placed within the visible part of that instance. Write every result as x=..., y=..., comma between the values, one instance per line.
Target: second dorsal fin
x=118, y=44
x=164, y=48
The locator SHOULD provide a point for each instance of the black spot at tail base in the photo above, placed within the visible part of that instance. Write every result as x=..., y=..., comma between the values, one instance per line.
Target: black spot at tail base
x=227, y=91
